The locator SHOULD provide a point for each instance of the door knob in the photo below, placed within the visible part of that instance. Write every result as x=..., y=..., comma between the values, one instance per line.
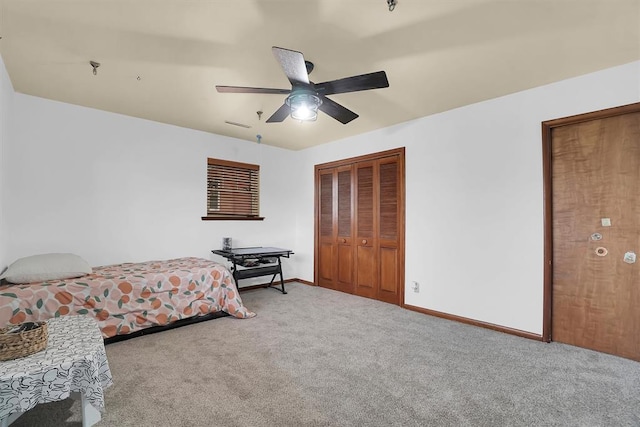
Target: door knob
x=364, y=241
x=344, y=240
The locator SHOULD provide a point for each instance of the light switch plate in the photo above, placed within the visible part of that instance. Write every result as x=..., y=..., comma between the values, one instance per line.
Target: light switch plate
x=606, y=222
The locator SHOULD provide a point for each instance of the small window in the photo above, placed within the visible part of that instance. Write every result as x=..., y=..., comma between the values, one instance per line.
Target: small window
x=233, y=190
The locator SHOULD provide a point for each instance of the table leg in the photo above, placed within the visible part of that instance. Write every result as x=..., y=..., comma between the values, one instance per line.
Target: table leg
x=235, y=274
x=281, y=278
x=90, y=415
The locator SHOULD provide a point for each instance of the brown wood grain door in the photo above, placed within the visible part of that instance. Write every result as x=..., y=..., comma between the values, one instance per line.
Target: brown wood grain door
x=344, y=236
x=366, y=224
x=326, y=230
x=389, y=214
x=595, y=181
x=335, y=234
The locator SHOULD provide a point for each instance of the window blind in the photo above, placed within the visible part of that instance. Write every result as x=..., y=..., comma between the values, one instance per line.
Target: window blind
x=233, y=189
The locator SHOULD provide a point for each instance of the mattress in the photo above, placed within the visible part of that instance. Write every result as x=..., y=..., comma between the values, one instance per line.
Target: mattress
x=126, y=298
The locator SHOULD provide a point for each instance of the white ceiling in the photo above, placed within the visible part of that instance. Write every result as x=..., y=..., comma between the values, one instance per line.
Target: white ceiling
x=438, y=55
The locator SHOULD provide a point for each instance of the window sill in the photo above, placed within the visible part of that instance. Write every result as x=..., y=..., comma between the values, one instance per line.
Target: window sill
x=232, y=218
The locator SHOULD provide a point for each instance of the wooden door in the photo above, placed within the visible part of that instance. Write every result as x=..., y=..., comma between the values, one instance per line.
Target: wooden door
x=366, y=225
x=335, y=229
x=595, y=180
x=377, y=242
x=344, y=229
x=389, y=214
x=325, y=237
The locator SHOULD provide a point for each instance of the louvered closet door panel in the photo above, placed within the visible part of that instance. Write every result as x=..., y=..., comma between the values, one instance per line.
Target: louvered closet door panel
x=344, y=202
x=366, y=266
x=326, y=205
x=364, y=207
x=389, y=200
x=389, y=215
x=326, y=217
x=344, y=241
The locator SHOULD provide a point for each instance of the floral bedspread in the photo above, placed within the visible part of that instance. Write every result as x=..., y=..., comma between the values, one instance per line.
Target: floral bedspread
x=124, y=298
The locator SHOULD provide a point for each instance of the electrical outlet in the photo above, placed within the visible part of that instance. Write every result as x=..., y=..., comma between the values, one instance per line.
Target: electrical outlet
x=416, y=286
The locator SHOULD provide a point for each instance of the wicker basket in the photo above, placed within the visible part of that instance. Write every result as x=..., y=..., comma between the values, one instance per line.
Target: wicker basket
x=14, y=345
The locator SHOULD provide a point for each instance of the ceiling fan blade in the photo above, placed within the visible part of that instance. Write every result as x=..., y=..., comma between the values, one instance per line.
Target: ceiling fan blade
x=337, y=111
x=240, y=89
x=293, y=65
x=368, y=81
x=280, y=114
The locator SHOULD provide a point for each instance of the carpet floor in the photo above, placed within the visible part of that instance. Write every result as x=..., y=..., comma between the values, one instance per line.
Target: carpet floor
x=316, y=357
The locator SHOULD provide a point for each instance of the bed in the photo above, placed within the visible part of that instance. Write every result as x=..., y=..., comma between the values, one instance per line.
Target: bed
x=129, y=298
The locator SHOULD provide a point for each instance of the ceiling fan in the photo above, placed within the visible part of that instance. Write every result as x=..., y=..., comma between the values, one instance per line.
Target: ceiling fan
x=305, y=98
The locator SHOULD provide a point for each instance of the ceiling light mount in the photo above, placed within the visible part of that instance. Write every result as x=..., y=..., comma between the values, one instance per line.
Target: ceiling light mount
x=95, y=66
x=392, y=4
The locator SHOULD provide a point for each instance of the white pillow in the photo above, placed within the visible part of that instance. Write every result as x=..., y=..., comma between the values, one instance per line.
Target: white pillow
x=40, y=268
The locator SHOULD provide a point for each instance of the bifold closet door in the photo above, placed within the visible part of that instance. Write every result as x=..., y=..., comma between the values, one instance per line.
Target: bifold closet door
x=389, y=212
x=326, y=231
x=377, y=242
x=336, y=229
x=344, y=226
x=366, y=224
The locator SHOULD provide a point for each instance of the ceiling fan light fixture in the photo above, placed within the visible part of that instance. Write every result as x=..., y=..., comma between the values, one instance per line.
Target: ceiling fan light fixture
x=305, y=97
x=304, y=106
